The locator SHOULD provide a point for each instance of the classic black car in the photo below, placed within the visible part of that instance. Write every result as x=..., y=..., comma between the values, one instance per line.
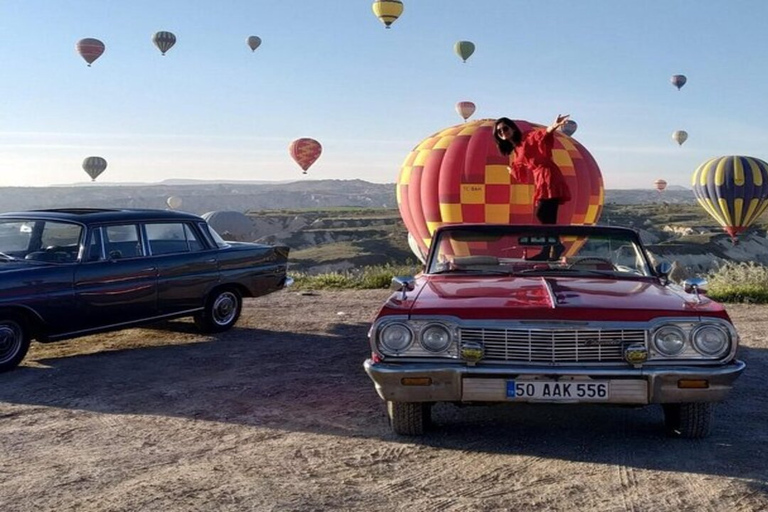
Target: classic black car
x=66, y=273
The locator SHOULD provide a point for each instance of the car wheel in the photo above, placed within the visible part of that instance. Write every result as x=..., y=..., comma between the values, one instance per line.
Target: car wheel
x=409, y=418
x=222, y=309
x=14, y=342
x=689, y=420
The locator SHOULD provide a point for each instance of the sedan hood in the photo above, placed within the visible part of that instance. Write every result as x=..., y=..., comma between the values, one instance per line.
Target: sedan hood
x=555, y=298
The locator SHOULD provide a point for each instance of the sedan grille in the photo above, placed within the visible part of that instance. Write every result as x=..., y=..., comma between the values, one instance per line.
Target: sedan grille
x=553, y=346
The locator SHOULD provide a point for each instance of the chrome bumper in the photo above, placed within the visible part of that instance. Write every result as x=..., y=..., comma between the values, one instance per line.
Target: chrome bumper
x=460, y=383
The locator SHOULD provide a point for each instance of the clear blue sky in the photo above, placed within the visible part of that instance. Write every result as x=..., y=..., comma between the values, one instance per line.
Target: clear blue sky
x=212, y=109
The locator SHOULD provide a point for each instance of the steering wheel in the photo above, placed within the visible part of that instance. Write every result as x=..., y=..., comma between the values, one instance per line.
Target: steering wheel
x=593, y=262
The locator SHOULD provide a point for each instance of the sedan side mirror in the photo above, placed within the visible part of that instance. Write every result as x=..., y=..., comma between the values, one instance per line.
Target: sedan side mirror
x=663, y=269
x=697, y=285
x=403, y=284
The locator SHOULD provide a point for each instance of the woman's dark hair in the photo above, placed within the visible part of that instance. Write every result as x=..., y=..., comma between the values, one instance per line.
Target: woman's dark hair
x=506, y=147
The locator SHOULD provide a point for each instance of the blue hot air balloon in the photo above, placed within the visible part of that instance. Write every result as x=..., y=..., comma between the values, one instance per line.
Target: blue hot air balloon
x=733, y=190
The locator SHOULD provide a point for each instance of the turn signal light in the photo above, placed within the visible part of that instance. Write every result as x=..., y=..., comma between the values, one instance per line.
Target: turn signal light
x=693, y=383
x=416, y=381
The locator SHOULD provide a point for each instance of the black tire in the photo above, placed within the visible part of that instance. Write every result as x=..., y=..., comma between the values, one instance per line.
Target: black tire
x=409, y=418
x=222, y=310
x=14, y=342
x=689, y=420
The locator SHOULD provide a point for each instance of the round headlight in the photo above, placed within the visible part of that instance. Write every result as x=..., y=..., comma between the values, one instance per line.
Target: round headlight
x=435, y=338
x=710, y=340
x=395, y=338
x=669, y=340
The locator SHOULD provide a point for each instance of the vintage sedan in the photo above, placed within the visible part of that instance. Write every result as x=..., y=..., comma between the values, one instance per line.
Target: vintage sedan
x=72, y=272
x=550, y=314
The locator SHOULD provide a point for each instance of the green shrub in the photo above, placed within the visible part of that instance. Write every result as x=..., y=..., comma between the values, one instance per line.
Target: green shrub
x=365, y=278
x=739, y=282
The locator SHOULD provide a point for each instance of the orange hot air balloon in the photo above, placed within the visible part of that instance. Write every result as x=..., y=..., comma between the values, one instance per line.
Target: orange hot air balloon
x=305, y=152
x=457, y=175
x=89, y=49
x=465, y=109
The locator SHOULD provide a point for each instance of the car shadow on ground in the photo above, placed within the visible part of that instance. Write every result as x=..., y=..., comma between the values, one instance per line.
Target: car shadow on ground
x=315, y=383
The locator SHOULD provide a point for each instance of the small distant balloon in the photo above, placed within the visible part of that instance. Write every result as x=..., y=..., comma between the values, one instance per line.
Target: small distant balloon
x=164, y=41
x=569, y=128
x=253, y=42
x=678, y=81
x=680, y=136
x=465, y=109
x=464, y=49
x=305, y=152
x=387, y=11
x=94, y=166
x=89, y=49
x=660, y=184
x=174, y=202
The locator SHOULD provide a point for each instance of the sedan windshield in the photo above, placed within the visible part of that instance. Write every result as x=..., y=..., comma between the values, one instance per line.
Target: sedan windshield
x=513, y=250
x=40, y=240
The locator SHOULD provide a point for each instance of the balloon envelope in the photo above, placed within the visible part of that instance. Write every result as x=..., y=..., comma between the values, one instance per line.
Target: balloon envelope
x=660, y=184
x=678, y=81
x=174, y=202
x=94, y=165
x=387, y=11
x=733, y=190
x=569, y=128
x=458, y=175
x=89, y=49
x=305, y=152
x=464, y=49
x=164, y=41
x=465, y=109
x=253, y=42
x=680, y=136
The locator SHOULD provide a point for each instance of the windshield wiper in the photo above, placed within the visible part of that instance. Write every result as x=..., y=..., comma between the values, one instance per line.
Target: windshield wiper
x=472, y=271
x=6, y=257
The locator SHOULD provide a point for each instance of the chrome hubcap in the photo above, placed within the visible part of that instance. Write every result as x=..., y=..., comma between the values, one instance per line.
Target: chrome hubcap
x=224, y=308
x=10, y=341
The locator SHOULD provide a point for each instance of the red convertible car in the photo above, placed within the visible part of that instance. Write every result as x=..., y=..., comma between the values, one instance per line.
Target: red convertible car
x=550, y=314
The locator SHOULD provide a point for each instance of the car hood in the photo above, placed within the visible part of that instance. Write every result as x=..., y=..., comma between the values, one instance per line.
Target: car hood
x=554, y=298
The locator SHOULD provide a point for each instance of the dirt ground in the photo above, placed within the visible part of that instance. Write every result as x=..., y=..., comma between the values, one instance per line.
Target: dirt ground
x=278, y=414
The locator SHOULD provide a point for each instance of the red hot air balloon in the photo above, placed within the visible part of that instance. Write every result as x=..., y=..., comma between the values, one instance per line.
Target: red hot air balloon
x=89, y=49
x=465, y=109
x=457, y=175
x=305, y=152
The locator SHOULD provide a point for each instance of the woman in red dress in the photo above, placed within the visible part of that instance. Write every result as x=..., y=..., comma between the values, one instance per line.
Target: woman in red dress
x=531, y=157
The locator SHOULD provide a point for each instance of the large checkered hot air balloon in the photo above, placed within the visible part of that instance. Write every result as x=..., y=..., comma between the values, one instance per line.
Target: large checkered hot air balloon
x=733, y=190
x=458, y=176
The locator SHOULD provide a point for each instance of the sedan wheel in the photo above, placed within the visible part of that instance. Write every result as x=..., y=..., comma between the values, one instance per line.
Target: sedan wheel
x=409, y=418
x=14, y=343
x=690, y=420
x=221, y=311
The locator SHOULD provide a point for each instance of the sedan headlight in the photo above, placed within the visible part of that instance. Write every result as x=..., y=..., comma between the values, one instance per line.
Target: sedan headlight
x=395, y=338
x=710, y=340
x=669, y=340
x=435, y=338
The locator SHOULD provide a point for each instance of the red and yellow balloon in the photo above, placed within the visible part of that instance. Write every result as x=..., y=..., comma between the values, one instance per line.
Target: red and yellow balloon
x=457, y=175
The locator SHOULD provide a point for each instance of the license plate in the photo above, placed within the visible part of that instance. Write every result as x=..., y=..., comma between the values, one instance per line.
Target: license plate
x=558, y=390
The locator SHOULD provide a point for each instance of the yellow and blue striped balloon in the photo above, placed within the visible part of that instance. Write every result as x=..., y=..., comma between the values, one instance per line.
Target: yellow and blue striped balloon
x=733, y=190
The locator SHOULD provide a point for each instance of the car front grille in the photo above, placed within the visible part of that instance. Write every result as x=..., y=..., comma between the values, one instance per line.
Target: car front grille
x=553, y=346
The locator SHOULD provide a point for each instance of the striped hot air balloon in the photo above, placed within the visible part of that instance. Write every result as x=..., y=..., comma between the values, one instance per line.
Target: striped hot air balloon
x=457, y=175
x=94, y=166
x=164, y=41
x=305, y=152
x=733, y=190
x=387, y=11
x=89, y=49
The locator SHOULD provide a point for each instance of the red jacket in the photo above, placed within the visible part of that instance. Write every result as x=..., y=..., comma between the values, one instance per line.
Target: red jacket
x=534, y=156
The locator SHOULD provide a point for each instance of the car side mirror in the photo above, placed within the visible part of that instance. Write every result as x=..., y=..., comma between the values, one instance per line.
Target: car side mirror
x=697, y=285
x=403, y=284
x=663, y=269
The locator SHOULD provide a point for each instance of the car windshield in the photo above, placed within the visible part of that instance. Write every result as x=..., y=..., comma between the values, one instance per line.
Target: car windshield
x=39, y=240
x=516, y=250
